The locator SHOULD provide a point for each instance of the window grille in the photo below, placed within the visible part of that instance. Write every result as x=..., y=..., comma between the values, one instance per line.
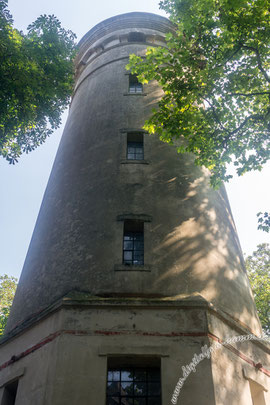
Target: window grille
x=134, y=85
x=134, y=386
x=135, y=149
x=133, y=243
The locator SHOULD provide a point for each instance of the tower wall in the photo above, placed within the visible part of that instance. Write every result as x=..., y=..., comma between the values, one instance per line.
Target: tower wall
x=191, y=246
x=63, y=358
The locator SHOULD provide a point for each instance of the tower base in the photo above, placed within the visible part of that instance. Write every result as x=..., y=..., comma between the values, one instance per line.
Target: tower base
x=62, y=356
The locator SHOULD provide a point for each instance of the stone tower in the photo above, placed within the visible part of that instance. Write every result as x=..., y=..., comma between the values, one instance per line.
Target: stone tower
x=134, y=265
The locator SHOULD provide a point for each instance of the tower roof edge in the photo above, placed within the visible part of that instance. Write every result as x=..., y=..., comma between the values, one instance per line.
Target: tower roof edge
x=145, y=20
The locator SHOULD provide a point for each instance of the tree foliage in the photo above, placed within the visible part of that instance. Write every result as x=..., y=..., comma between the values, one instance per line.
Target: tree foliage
x=216, y=81
x=258, y=268
x=36, y=79
x=264, y=221
x=7, y=291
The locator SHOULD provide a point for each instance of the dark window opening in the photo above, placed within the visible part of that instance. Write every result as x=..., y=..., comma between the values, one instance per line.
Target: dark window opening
x=136, y=37
x=135, y=146
x=134, y=85
x=10, y=392
x=133, y=386
x=133, y=243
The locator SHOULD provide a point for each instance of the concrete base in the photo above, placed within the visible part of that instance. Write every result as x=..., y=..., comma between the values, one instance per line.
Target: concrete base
x=61, y=357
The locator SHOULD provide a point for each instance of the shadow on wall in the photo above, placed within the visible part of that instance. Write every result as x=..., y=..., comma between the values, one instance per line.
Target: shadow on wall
x=76, y=243
x=202, y=246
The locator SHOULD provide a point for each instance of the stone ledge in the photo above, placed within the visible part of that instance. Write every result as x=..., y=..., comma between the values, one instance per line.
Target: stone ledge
x=10, y=377
x=136, y=130
x=86, y=300
x=252, y=374
x=132, y=162
x=135, y=94
x=126, y=267
x=155, y=351
x=134, y=217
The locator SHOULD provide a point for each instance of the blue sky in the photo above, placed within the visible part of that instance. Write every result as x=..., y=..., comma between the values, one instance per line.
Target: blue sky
x=22, y=186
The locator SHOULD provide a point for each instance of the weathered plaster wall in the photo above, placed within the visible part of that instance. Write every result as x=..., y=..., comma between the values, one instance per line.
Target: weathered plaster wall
x=191, y=244
x=64, y=357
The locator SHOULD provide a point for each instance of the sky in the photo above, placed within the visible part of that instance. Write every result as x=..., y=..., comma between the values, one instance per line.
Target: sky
x=22, y=185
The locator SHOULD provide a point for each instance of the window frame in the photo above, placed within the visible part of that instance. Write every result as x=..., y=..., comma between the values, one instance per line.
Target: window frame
x=134, y=230
x=10, y=392
x=131, y=381
x=134, y=84
x=257, y=393
x=135, y=140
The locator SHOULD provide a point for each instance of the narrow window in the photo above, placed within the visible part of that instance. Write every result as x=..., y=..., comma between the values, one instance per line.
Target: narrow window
x=135, y=146
x=134, y=85
x=10, y=392
x=136, y=37
x=133, y=386
x=133, y=243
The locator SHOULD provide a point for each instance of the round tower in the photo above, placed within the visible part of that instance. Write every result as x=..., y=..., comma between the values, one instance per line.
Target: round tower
x=134, y=263
x=97, y=191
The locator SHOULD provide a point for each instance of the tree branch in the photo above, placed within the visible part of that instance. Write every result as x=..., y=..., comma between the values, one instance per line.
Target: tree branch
x=250, y=94
x=215, y=114
x=255, y=117
x=232, y=55
x=267, y=78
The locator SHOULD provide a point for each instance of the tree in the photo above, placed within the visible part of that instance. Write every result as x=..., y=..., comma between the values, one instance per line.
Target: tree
x=215, y=76
x=8, y=287
x=258, y=268
x=36, y=80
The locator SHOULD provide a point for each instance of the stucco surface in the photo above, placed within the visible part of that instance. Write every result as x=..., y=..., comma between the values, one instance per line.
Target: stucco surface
x=63, y=358
x=191, y=243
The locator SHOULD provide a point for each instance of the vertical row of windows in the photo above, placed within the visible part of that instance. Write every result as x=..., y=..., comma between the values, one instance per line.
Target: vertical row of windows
x=133, y=240
x=133, y=385
x=133, y=243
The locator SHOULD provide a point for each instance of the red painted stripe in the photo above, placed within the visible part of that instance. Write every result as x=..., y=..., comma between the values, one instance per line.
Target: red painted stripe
x=241, y=355
x=53, y=336
x=140, y=333
x=32, y=349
